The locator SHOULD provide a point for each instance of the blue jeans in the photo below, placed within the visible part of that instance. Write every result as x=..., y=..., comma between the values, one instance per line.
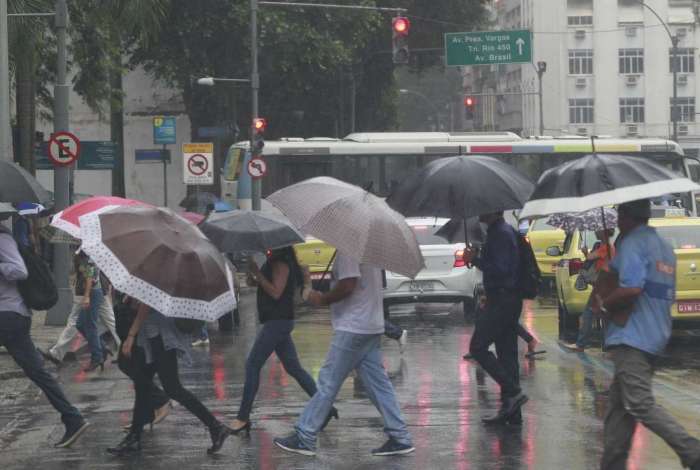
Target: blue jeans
x=350, y=351
x=275, y=335
x=87, y=325
x=584, y=332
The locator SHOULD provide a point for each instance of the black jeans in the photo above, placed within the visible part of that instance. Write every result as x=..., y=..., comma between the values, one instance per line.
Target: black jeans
x=129, y=365
x=275, y=335
x=499, y=324
x=165, y=365
x=14, y=335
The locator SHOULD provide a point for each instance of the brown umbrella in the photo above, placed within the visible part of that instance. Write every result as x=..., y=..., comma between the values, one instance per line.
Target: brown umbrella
x=161, y=259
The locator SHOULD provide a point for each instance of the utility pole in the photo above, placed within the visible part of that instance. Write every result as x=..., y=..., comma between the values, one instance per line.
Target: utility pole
x=255, y=187
x=541, y=69
x=674, y=108
x=61, y=175
x=5, y=135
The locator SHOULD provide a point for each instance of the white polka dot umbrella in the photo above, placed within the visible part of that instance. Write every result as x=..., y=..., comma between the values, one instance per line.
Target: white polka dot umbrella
x=161, y=259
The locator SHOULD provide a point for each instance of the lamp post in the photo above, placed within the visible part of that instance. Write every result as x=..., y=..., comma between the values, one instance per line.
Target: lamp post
x=404, y=91
x=541, y=69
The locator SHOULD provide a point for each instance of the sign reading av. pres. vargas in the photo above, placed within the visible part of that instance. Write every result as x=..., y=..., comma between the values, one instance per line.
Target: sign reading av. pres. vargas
x=488, y=47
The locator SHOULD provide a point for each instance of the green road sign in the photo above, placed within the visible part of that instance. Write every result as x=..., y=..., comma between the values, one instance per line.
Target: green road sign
x=488, y=47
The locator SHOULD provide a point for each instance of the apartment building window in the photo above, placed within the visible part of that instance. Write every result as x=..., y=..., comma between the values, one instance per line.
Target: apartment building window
x=631, y=110
x=686, y=60
x=580, y=61
x=631, y=60
x=686, y=108
x=585, y=20
x=581, y=111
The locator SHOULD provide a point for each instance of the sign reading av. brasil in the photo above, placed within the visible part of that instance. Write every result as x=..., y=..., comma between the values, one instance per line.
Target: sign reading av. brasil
x=164, y=128
x=488, y=47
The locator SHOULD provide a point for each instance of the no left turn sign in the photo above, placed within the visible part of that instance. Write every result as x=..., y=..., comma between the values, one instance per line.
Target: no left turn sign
x=63, y=148
x=257, y=167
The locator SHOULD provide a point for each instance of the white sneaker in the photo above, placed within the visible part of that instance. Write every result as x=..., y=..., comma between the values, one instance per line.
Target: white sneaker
x=403, y=340
x=201, y=342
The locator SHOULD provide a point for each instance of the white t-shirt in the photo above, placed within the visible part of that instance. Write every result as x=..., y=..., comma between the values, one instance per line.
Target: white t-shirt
x=363, y=311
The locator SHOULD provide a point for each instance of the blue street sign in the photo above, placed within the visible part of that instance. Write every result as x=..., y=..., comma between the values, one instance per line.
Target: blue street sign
x=212, y=132
x=94, y=155
x=164, y=130
x=152, y=155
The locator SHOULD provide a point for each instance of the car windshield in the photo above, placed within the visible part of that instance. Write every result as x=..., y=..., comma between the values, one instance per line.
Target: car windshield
x=425, y=234
x=681, y=237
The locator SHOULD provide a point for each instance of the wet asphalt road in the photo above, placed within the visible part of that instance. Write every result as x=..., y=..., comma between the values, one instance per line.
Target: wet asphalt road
x=443, y=399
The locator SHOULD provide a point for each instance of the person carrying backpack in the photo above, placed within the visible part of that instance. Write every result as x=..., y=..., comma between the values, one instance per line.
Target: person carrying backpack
x=506, y=283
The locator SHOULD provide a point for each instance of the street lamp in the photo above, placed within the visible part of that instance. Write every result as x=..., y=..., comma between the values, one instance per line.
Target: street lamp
x=541, y=69
x=404, y=91
x=211, y=81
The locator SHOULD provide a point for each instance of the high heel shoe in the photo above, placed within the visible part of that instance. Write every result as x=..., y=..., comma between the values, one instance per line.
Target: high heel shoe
x=218, y=435
x=331, y=414
x=245, y=427
x=131, y=443
x=94, y=365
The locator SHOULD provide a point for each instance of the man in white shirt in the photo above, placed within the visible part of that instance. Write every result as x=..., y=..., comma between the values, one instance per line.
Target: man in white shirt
x=358, y=320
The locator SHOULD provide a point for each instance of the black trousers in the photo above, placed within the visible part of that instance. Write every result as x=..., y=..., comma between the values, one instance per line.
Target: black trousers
x=129, y=366
x=14, y=335
x=499, y=325
x=165, y=365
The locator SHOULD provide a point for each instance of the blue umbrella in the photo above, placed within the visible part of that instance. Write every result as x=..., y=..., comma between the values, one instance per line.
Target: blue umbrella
x=222, y=206
x=29, y=208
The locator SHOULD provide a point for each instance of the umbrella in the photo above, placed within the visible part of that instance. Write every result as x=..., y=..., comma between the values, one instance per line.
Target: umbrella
x=29, y=208
x=356, y=222
x=192, y=217
x=222, y=206
x=54, y=235
x=68, y=219
x=593, y=220
x=199, y=201
x=6, y=209
x=250, y=231
x=453, y=231
x=17, y=185
x=459, y=187
x=161, y=259
x=599, y=180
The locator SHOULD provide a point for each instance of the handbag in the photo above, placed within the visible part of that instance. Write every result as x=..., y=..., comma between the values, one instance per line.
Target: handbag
x=607, y=282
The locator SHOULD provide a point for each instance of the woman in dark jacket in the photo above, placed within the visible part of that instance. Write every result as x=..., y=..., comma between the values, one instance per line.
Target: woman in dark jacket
x=278, y=280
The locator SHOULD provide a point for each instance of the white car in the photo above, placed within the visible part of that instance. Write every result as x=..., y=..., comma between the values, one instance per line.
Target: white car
x=445, y=278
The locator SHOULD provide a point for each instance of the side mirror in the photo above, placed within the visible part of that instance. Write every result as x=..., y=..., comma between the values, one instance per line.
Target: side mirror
x=554, y=251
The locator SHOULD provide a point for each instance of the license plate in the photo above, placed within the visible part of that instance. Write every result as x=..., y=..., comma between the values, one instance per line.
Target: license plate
x=421, y=286
x=691, y=306
x=554, y=268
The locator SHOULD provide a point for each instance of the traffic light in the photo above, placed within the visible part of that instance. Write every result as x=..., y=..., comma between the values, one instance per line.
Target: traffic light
x=259, y=125
x=399, y=39
x=469, y=107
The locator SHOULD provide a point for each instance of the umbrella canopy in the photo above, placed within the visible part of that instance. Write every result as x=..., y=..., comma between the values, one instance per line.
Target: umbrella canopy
x=29, y=208
x=250, y=231
x=459, y=187
x=199, y=201
x=222, y=206
x=6, y=209
x=356, y=222
x=17, y=185
x=161, y=259
x=453, y=231
x=192, y=217
x=54, y=235
x=593, y=220
x=602, y=180
x=68, y=219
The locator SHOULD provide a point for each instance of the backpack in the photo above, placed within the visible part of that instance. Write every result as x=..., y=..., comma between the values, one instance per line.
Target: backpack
x=39, y=290
x=528, y=272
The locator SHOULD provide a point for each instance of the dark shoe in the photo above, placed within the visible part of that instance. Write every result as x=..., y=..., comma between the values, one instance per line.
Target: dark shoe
x=293, y=444
x=467, y=357
x=72, y=434
x=391, y=447
x=49, y=357
x=245, y=427
x=130, y=444
x=509, y=407
x=218, y=435
x=94, y=366
x=331, y=414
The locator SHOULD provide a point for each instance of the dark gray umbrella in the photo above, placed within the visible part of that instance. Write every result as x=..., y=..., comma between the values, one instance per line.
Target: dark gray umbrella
x=198, y=201
x=453, y=231
x=17, y=185
x=250, y=231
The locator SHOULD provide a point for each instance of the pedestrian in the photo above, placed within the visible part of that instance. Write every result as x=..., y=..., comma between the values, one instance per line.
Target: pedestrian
x=396, y=333
x=278, y=280
x=15, y=325
x=499, y=261
x=89, y=288
x=526, y=336
x=358, y=320
x=156, y=345
x=646, y=267
x=599, y=257
x=202, y=338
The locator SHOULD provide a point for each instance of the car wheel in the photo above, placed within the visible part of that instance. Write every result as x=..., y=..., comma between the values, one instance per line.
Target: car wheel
x=568, y=324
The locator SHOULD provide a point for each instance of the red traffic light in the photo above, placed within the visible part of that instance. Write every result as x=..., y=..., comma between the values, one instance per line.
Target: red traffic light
x=259, y=124
x=469, y=101
x=401, y=25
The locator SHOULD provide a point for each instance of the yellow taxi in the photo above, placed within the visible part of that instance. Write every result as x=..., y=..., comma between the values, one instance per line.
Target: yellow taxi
x=542, y=236
x=315, y=254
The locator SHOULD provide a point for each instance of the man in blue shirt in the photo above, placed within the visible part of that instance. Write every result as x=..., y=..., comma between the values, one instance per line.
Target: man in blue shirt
x=499, y=261
x=646, y=267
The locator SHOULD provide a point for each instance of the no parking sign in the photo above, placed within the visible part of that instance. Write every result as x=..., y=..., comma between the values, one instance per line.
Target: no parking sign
x=198, y=163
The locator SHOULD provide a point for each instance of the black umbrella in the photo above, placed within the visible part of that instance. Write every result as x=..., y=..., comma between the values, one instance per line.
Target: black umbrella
x=453, y=231
x=199, y=201
x=250, y=231
x=17, y=185
x=599, y=180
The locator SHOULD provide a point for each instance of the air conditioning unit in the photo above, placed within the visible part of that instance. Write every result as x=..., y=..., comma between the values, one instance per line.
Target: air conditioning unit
x=682, y=32
x=582, y=131
x=580, y=34
x=631, y=80
x=682, y=129
x=682, y=79
x=581, y=82
x=632, y=130
x=631, y=31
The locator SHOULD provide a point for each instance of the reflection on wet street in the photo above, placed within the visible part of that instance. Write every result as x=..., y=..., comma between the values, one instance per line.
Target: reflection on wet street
x=443, y=398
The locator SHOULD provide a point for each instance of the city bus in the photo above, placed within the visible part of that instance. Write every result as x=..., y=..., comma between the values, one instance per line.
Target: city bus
x=381, y=160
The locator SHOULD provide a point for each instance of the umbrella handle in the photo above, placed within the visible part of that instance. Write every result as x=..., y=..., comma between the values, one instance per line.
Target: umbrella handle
x=328, y=268
x=605, y=229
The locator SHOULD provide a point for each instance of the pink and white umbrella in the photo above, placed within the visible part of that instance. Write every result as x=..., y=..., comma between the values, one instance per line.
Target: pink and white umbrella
x=68, y=219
